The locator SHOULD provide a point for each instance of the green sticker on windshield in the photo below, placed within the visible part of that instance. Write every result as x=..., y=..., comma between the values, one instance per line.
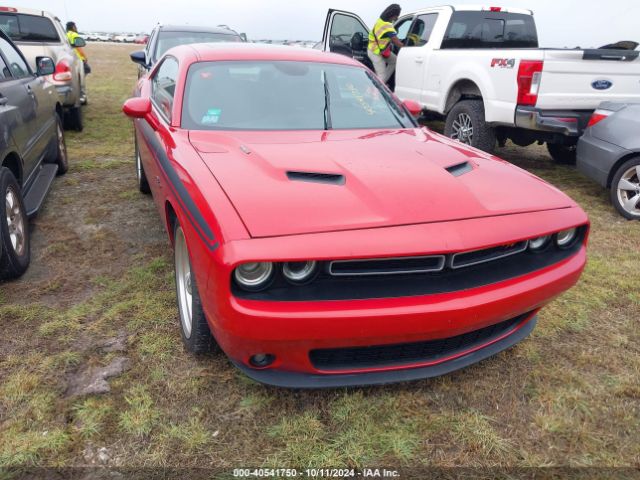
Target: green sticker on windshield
x=212, y=116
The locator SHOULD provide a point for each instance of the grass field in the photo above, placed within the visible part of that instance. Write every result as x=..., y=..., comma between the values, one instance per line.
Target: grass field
x=102, y=269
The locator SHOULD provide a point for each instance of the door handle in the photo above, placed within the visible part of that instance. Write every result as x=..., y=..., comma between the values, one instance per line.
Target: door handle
x=3, y=101
x=419, y=59
x=30, y=90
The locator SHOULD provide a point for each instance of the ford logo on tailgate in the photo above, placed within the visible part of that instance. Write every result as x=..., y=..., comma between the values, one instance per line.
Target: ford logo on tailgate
x=602, y=84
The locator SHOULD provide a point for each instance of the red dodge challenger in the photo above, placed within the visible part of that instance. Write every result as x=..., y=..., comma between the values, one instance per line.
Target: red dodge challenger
x=323, y=238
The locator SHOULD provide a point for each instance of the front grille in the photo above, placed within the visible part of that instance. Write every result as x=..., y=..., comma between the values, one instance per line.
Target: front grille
x=467, y=259
x=356, y=358
x=387, y=266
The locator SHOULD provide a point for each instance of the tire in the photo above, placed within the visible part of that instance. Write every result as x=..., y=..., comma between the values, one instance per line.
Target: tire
x=466, y=123
x=141, y=176
x=625, y=189
x=59, y=154
x=73, y=119
x=15, y=248
x=194, y=328
x=562, y=154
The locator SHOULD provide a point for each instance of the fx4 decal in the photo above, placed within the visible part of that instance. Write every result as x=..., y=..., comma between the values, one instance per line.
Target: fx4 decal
x=503, y=62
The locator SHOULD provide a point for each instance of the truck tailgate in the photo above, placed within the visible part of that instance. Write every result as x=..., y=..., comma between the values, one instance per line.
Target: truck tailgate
x=581, y=79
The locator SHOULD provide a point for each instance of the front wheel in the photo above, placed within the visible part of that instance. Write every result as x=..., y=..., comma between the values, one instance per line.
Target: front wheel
x=563, y=154
x=143, y=184
x=194, y=328
x=15, y=248
x=625, y=189
x=466, y=124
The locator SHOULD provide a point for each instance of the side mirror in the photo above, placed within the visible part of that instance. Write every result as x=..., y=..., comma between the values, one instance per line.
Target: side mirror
x=79, y=42
x=45, y=66
x=139, y=57
x=243, y=36
x=415, y=109
x=139, y=107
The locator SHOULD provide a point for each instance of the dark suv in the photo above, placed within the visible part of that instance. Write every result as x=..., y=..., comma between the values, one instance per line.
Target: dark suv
x=165, y=37
x=32, y=150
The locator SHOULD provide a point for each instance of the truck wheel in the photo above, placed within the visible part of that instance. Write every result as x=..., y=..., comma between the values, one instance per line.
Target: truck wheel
x=562, y=154
x=59, y=154
x=143, y=184
x=466, y=123
x=73, y=119
x=194, y=328
x=15, y=248
x=625, y=189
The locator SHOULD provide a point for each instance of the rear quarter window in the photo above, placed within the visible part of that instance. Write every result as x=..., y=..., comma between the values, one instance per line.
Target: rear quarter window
x=490, y=30
x=28, y=28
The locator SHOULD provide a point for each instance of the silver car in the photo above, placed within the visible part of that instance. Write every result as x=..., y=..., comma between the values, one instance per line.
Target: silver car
x=609, y=153
x=38, y=33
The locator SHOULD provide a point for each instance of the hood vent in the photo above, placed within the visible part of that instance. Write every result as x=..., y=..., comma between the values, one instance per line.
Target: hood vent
x=459, y=169
x=316, y=177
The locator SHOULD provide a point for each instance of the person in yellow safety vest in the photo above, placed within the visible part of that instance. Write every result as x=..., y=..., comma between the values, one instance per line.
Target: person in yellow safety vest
x=380, y=39
x=72, y=34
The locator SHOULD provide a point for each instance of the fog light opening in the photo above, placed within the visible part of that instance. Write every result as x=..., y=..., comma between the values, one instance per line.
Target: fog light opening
x=262, y=360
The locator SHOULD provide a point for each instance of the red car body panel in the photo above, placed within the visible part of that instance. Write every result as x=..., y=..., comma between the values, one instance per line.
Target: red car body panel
x=230, y=192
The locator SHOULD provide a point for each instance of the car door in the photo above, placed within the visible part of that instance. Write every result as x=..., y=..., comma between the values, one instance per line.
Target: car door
x=345, y=33
x=156, y=145
x=412, y=63
x=18, y=105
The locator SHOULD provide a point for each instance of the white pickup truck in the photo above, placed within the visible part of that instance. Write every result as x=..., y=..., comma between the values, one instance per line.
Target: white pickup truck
x=481, y=69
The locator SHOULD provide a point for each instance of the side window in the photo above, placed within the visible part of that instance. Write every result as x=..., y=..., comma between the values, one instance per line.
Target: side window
x=147, y=48
x=163, y=87
x=17, y=65
x=421, y=30
x=490, y=30
x=343, y=29
x=402, y=28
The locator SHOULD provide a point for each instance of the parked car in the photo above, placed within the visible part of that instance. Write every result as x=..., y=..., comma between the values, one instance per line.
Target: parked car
x=32, y=150
x=323, y=237
x=165, y=37
x=103, y=37
x=609, y=153
x=38, y=33
x=481, y=69
x=125, y=38
x=141, y=39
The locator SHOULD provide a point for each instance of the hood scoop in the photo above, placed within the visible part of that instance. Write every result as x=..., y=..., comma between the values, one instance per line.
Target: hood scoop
x=316, y=177
x=459, y=169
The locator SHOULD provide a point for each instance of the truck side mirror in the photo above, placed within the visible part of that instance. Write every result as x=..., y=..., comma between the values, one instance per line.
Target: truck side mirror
x=139, y=57
x=79, y=43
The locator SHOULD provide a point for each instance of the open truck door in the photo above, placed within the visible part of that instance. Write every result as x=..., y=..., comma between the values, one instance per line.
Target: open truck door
x=345, y=33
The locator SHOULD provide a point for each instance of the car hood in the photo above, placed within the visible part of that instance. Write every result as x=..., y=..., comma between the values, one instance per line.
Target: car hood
x=279, y=183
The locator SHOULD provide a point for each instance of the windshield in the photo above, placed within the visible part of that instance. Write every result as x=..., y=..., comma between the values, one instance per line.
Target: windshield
x=287, y=96
x=28, y=28
x=168, y=40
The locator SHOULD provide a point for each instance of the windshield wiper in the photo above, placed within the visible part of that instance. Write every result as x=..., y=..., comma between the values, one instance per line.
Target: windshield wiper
x=327, y=102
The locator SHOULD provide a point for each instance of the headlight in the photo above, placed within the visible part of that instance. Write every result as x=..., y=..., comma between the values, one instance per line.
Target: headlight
x=299, y=272
x=254, y=276
x=565, y=238
x=540, y=243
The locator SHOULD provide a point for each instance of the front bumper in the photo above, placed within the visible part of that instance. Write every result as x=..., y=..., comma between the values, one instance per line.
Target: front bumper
x=284, y=379
x=567, y=123
x=596, y=158
x=291, y=331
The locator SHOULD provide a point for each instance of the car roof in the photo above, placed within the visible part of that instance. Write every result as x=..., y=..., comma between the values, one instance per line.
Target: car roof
x=211, y=52
x=192, y=28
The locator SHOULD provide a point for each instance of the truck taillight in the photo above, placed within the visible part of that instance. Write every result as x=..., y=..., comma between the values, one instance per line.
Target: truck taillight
x=529, y=76
x=598, y=116
x=62, y=72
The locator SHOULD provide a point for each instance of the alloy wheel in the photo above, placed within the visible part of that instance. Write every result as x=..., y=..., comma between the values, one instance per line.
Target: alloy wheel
x=15, y=221
x=184, y=282
x=463, y=128
x=629, y=191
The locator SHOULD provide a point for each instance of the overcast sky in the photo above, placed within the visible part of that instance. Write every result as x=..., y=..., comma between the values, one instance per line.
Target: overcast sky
x=587, y=23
